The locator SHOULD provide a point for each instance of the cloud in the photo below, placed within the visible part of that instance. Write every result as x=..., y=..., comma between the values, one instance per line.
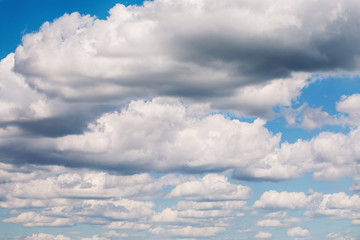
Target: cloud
x=356, y=221
x=188, y=231
x=96, y=237
x=334, y=206
x=32, y=219
x=263, y=235
x=210, y=187
x=283, y=200
x=18, y=100
x=349, y=104
x=312, y=118
x=44, y=236
x=298, y=232
x=115, y=234
x=121, y=225
x=172, y=140
x=205, y=59
x=269, y=223
x=176, y=139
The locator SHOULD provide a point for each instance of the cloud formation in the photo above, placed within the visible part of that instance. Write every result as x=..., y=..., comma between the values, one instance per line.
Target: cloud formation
x=140, y=51
x=160, y=121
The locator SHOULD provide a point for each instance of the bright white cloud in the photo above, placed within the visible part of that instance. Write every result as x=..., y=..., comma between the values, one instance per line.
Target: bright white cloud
x=298, y=232
x=171, y=139
x=349, y=104
x=210, y=187
x=279, y=200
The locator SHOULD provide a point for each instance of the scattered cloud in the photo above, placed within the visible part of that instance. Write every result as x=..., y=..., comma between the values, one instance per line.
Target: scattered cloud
x=298, y=232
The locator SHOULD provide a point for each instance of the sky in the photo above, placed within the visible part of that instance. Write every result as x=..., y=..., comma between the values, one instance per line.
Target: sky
x=187, y=119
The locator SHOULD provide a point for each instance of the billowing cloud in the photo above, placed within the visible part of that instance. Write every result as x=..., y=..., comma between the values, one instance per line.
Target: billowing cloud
x=274, y=199
x=140, y=51
x=147, y=124
x=174, y=138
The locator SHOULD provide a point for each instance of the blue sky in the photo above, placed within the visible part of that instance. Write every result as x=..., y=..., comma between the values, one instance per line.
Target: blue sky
x=179, y=120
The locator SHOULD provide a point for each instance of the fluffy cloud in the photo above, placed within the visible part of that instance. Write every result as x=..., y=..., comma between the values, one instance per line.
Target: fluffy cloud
x=263, y=235
x=335, y=206
x=349, y=104
x=286, y=200
x=188, y=231
x=18, y=101
x=44, y=236
x=172, y=139
x=298, y=232
x=32, y=219
x=112, y=59
x=269, y=223
x=177, y=139
x=210, y=187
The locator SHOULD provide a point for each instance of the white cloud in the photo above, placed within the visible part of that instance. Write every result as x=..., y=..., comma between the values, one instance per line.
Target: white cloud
x=287, y=200
x=356, y=221
x=121, y=225
x=335, y=206
x=171, y=140
x=298, y=232
x=44, y=236
x=81, y=57
x=188, y=231
x=269, y=223
x=263, y=235
x=113, y=233
x=18, y=100
x=96, y=237
x=32, y=219
x=349, y=104
x=312, y=118
x=203, y=205
x=210, y=187
x=177, y=140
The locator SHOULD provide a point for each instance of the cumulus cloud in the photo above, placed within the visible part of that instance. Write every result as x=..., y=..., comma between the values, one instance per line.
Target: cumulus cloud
x=210, y=187
x=349, y=104
x=32, y=219
x=204, y=59
x=176, y=139
x=334, y=206
x=282, y=200
x=312, y=118
x=188, y=231
x=44, y=236
x=269, y=223
x=171, y=140
x=18, y=101
x=298, y=232
x=263, y=235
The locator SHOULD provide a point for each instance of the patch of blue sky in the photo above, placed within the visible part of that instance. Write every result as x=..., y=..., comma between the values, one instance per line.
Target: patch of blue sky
x=327, y=92
x=323, y=93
